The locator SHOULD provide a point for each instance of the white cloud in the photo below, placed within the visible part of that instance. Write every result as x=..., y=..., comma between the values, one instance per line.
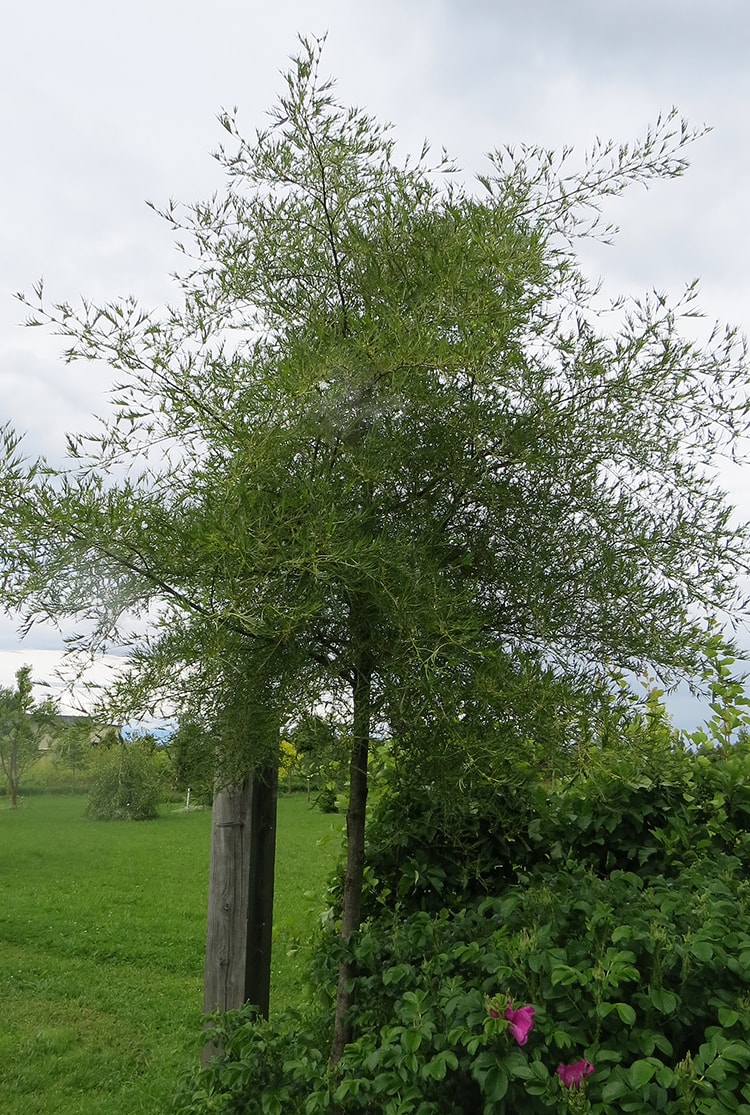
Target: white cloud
x=54, y=677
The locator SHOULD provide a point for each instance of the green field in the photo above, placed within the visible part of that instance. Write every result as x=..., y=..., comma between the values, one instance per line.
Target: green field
x=102, y=931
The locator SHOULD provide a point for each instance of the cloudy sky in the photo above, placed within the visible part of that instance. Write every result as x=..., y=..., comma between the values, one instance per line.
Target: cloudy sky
x=107, y=105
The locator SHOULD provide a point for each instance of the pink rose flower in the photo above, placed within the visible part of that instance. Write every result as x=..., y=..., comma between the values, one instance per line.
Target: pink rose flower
x=572, y=1075
x=520, y=1021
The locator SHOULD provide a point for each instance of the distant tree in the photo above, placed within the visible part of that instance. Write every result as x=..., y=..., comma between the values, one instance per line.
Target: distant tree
x=76, y=743
x=389, y=447
x=322, y=747
x=23, y=724
x=193, y=758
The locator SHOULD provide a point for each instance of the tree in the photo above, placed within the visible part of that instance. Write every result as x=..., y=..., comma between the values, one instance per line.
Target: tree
x=23, y=723
x=128, y=781
x=388, y=448
x=191, y=754
x=320, y=748
x=73, y=748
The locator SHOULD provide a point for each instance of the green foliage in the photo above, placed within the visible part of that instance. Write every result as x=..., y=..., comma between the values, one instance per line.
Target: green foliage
x=649, y=982
x=660, y=821
x=424, y=852
x=639, y=802
x=617, y=905
x=730, y=703
x=192, y=755
x=128, y=783
x=326, y=799
x=265, y=1067
x=322, y=747
x=619, y=973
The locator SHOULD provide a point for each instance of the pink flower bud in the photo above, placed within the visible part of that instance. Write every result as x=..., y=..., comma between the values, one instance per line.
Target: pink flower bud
x=572, y=1075
x=521, y=1022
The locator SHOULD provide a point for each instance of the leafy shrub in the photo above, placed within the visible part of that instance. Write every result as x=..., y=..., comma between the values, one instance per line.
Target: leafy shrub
x=649, y=983
x=653, y=811
x=326, y=800
x=425, y=853
x=655, y=822
x=617, y=906
x=321, y=748
x=618, y=972
x=128, y=782
x=264, y=1067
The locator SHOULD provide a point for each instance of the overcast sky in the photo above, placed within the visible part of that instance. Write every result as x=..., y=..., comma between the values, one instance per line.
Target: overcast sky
x=107, y=105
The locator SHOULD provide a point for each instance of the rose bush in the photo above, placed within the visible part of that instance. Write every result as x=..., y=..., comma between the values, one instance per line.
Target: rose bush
x=592, y=954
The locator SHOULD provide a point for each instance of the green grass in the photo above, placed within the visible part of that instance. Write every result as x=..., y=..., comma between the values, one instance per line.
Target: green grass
x=102, y=932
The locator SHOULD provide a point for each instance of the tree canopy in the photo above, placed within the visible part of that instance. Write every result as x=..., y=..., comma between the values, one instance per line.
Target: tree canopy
x=388, y=446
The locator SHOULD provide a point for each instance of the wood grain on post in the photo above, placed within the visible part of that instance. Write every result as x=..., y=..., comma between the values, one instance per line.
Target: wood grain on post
x=240, y=897
x=228, y=886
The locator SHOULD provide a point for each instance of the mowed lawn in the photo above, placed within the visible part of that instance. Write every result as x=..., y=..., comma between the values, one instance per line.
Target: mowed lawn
x=102, y=934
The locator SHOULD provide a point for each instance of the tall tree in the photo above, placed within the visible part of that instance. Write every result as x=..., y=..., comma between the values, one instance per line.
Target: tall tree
x=387, y=445
x=23, y=723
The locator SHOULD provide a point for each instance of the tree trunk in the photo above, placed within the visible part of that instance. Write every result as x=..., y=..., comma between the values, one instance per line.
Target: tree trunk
x=240, y=897
x=355, y=852
x=13, y=779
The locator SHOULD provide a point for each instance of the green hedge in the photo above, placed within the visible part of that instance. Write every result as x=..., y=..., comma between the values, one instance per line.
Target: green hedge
x=617, y=907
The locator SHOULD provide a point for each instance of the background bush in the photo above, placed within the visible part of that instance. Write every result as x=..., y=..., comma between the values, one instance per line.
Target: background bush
x=128, y=782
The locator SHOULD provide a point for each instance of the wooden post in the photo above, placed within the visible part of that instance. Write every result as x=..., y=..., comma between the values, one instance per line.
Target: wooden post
x=240, y=896
x=263, y=800
x=224, y=985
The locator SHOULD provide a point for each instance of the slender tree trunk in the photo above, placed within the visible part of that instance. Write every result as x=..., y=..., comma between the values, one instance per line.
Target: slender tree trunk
x=13, y=779
x=355, y=851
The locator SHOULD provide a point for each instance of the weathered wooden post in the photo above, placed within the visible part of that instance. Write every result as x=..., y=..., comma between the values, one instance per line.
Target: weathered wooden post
x=264, y=793
x=240, y=896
